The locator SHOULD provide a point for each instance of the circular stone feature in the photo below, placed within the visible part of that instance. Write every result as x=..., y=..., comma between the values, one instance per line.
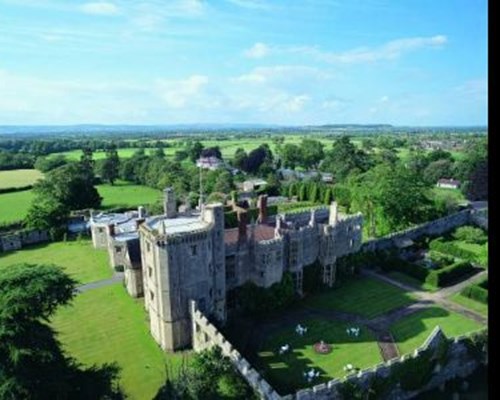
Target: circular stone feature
x=322, y=347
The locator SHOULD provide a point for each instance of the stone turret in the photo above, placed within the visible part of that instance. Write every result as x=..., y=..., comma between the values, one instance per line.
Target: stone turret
x=262, y=206
x=169, y=204
x=141, y=212
x=242, y=224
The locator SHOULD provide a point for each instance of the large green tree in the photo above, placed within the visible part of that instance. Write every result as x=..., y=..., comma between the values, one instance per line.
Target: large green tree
x=344, y=160
x=111, y=165
x=32, y=362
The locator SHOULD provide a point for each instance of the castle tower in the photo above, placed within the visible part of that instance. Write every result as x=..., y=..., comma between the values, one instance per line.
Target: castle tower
x=262, y=206
x=169, y=204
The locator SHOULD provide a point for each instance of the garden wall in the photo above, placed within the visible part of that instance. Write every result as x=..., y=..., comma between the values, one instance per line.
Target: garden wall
x=432, y=228
x=458, y=363
x=17, y=240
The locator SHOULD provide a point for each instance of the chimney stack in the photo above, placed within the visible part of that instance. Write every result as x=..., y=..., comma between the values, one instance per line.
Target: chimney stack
x=169, y=204
x=111, y=229
x=138, y=222
x=141, y=212
x=333, y=214
x=242, y=224
x=262, y=206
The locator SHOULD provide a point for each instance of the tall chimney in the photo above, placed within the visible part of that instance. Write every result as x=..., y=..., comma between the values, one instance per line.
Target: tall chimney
x=333, y=214
x=141, y=212
x=169, y=204
x=111, y=229
x=138, y=222
x=262, y=206
x=242, y=224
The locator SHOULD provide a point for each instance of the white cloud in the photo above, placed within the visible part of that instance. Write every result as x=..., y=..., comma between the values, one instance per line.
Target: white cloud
x=283, y=73
x=258, y=50
x=384, y=99
x=99, y=8
x=180, y=93
x=297, y=103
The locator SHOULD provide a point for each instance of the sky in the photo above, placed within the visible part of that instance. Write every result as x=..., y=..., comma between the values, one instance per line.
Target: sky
x=286, y=62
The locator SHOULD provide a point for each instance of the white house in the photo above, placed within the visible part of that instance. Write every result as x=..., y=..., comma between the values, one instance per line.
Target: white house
x=448, y=183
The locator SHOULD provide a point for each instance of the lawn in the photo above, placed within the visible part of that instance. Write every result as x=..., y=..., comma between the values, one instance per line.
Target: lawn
x=471, y=304
x=106, y=325
x=78, y=258
x=14, y=206
x=363, y=296
x=285, y=372
x=19, y=178
x=407, y=279
x=125, y=194
x=411, y=331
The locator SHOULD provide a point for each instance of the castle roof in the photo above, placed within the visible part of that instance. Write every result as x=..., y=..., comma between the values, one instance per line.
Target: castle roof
x=261, y=233
x=178, y=225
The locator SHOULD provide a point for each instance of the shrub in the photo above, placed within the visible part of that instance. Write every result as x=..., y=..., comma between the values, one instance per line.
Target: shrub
x=272, y=210
x=451, y=249
x=440, y=259
x=475, y=292
x=450, y=274
x=470, y=234
x=416, y=271
x=15, y=189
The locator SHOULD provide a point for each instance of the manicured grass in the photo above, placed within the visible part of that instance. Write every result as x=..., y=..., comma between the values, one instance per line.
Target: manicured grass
x=411, y=331
x=106, y=325
x=285, y=372
x=124, y=194
x=403, y=278
x=471, y=304
x=363, y=296
x=14, y=206
x=19, y=177
x=78, y=258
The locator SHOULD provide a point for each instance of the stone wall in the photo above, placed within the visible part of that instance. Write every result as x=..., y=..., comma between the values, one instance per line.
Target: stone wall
x=458, y=364
x=480, y=218
x=205, y=336
x=17, y=240
x=432, y=228
x=303, y=217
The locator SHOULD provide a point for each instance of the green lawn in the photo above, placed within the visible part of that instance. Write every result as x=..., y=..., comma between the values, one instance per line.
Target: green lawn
x=19, y=177
x=14, y=206
x=106, y=325
x=407, y=279
x=471, y=304
x=411, y=331
x=124, y=194
x=363, y=296
x=78, y=258
x=285, y=372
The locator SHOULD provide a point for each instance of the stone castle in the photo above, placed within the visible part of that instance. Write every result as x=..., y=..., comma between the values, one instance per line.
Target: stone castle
x=173, y=258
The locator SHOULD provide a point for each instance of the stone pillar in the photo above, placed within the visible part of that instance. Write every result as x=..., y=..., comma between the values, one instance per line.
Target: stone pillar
x=141, y=212
x=169, y=204
x=242, y=224
x=262, y=206
x=333, y=219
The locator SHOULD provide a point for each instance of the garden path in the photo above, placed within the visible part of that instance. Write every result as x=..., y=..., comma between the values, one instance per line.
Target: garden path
x=117, y=277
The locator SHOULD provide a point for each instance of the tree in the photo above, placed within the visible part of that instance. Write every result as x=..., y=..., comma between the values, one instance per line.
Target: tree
x=303, y=192
x=291, y=155
x=87, y=165
x=472, y=170
x=312, y=153
x=48, y=214
x=344, y=159
x=240, y=159
x=438, y=169
x=224, y=182
x=194, y=150
x=32, y=362
x=110, y=166
x=46, y=164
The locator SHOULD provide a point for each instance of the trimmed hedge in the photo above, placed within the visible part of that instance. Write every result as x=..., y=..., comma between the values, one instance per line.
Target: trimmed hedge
x=15, y=189
x=416, y=271
x=450, y=248
x=476, y=292
x=440, y=259
x=445, y=276
x=272, y=210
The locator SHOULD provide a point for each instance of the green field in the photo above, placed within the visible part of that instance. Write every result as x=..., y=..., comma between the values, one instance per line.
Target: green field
x=407, y=279
x=14, y=206
x=411, y=332
x=124, y=194
x=78, y=258
x=362, y=296
x=106, y=325
x=19, y=178
x=471, y=304
x=285, y=372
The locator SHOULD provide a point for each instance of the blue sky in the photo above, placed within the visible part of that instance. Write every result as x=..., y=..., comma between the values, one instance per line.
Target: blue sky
x=290, y=62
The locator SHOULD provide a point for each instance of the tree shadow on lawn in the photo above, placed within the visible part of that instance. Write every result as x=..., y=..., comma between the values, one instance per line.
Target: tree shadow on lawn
x=286, y=372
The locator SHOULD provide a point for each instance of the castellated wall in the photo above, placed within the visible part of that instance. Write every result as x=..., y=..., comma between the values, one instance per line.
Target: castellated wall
x=302, y=217
x=205, y=336
x=268, y=265
x=433, y=228
x=458, y=364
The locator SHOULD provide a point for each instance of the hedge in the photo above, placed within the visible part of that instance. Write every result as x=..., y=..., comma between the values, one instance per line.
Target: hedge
x=416, y=271
x=440, y=259
x=475, y=292
x=272, y=210
x=15, y=189
x=445, y=276
x=452, y=249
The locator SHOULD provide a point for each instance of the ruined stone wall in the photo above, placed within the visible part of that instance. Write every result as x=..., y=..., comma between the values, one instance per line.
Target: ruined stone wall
x=433, y=228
